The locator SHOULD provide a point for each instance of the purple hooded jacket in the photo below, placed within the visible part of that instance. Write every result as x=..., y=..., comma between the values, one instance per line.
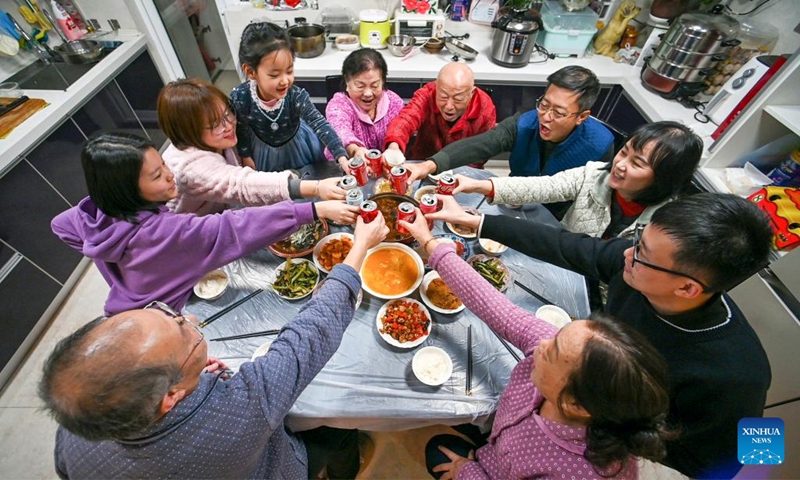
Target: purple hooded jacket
x=164, y=254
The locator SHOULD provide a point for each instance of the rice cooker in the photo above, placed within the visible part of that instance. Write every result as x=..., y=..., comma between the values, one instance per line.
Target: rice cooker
x=374, y=28
x=514, y=37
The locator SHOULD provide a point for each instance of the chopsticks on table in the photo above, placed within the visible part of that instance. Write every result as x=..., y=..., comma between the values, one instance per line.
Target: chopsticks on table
x=508, y=347
x=469, y=360
x=208, y=321
x=541, y=298
x=248, y=335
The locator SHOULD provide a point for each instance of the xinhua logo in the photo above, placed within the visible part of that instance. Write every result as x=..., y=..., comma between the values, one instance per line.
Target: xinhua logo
x=761, y=441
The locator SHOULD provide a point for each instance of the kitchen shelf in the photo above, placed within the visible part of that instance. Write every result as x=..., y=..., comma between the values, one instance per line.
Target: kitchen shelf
x=789, y=115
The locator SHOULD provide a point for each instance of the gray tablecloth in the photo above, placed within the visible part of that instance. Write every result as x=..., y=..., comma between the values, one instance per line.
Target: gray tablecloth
x=369, y=384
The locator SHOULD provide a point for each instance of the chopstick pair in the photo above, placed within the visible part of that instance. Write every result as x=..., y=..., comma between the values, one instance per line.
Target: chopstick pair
x=469, y=361
x=227, y=309
x=541, y=298
x=247, y=335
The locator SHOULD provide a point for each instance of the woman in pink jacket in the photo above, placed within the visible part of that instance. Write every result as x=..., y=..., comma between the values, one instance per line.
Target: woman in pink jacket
x=198, y=120
x=583, y=402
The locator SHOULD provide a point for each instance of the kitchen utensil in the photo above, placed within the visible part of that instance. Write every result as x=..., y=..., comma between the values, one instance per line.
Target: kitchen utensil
x=534, y=294
x=263, y=333
x=677, y=71
x=375, y=28
x=433, y=45
x=685, y=58
x=702, y=32
x=11, y=106
x=508, y=347
x=308, y=39
x=213, y=318
x=81, y=51
x=514, y=37
x=469, y=360
x=460, y=49
x=400, y=45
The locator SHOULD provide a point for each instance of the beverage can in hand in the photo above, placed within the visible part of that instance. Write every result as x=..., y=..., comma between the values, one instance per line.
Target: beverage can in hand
x=358, y=169
x=369, y=210
x=399, y=178
x=375, y=159
x=348, y=182
x=407, y=213
x=429, y=204
x=355, y=197
x=447, y=183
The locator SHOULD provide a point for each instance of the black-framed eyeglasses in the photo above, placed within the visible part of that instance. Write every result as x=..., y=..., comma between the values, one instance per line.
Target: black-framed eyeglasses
x=637, y=238
x=544, y=107
x=228, y=118
x=181, y=321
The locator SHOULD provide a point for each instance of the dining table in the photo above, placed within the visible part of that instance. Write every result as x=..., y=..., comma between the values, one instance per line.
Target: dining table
x=369, y=384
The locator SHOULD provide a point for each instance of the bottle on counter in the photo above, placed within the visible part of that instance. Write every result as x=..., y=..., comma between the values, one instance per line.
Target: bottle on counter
x=787, y=173
x=65, y=22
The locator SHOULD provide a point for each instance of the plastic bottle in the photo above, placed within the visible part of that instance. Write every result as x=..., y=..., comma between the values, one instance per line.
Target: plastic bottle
x=65, y=22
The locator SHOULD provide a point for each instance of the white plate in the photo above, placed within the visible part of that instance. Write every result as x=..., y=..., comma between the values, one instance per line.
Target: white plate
x=279, y=269
x=423, y=288
x=404, y=248
x=325, y=240
x=388, y=338
x=432, y=366
x=261, y=350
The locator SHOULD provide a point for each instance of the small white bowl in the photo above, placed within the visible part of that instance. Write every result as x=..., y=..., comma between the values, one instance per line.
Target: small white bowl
x=423, y=289
x=347, y=42
x=423, y=191
x=490, y=247
x=261, y=350
x=391, y=340
x=212, y=285
x=279, y=269
x=553, y=315
x=432, y=366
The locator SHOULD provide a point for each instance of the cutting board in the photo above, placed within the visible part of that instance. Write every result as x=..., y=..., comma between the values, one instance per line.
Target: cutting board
x=12, y=119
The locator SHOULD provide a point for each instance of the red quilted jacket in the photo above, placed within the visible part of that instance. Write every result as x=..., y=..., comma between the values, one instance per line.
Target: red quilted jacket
x=421, y=116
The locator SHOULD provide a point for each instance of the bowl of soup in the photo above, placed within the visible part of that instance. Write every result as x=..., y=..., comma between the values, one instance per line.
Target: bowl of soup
x=387, y=204
x=391, y=270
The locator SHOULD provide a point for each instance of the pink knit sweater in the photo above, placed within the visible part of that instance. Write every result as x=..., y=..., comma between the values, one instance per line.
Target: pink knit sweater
x=354, y=126
x=522, y=443
x=209, y=182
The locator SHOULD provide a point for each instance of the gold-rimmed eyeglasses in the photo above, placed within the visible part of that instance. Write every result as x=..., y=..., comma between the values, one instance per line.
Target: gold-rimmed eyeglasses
x=181, y=321
x=543, y=107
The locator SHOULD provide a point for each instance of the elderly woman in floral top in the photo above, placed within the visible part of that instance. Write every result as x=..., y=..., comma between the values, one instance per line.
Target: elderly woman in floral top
x=583, y=402
x=361, y=114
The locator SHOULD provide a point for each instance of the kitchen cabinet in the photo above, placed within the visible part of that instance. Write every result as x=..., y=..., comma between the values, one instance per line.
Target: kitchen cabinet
x=141, y=83
x=614, y=107
x=59, y=160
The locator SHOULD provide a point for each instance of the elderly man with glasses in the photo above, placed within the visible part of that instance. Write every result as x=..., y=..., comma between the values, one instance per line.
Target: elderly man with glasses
x=558, y=135
x=670, y=285
x=137, y=396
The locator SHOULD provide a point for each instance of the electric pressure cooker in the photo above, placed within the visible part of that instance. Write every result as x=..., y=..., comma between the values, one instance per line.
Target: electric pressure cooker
x=514, y=37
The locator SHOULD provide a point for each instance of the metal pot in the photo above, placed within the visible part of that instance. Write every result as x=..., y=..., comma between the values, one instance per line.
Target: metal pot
x=686, y=58
x=677, y=72
x=80, y=51
x=308, y=40
x=702, y=32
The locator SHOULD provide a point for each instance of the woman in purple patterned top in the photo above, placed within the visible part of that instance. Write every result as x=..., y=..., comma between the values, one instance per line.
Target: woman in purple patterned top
x=583, y=403
x=361, y=114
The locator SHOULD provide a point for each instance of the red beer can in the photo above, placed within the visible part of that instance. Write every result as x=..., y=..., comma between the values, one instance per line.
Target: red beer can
x=358, y=169
x=447, y=183
x=399, y=178
x=369, y=210
x=375, y=159
x=348, y=182
x=429, y=204
x=405, y=212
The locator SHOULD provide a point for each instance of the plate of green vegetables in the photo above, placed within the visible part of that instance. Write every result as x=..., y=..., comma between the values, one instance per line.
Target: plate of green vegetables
x=295, y=278
x=492, y=269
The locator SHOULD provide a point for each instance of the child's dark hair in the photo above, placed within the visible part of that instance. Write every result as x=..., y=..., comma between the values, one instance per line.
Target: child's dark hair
x=259, y=40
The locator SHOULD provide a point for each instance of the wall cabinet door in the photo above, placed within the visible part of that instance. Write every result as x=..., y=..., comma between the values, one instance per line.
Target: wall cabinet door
x=109, y=110
x=618, y=111
x=58, y=158
x=26, y=294
x=141, y=83
x=29, y=204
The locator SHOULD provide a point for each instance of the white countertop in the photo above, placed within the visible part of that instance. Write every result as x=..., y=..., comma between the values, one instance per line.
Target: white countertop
x=64, y=102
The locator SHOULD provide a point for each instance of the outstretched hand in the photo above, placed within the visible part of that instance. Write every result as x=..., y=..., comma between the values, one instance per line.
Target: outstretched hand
x=471, y=185
x=337, y=211
x=452, y=212
x=418, y=228
x=367, y=235
x=329, y=189
x=457, y=462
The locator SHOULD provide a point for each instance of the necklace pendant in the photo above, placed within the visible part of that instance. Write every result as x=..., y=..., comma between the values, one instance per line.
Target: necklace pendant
x=274, y=126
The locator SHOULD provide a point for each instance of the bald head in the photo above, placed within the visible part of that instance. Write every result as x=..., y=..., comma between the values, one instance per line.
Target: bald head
x=455, y=85
x=106, y=380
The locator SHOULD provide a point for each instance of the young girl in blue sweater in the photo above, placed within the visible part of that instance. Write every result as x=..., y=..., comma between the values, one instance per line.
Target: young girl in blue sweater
x=278, y=126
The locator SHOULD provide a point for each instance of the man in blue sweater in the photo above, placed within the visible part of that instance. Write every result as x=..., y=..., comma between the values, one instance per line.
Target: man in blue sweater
x=558, y=135
x=136, y=395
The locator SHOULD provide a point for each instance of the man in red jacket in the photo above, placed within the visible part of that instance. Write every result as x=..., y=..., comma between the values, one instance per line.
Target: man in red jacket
x=441, y=112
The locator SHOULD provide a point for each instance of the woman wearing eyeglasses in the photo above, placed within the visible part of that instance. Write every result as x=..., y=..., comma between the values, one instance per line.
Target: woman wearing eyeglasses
x=653, y=167
x=198, y=120
x=144, y=251
x=361, y=114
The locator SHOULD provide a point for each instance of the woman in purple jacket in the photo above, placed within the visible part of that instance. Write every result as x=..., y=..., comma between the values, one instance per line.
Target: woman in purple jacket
x=146, y=252
x=583, y=403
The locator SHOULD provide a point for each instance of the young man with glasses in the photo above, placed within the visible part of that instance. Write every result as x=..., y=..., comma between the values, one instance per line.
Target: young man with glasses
x=558, y=135
x=670, y=285
x=137, y=396
x=442, y=112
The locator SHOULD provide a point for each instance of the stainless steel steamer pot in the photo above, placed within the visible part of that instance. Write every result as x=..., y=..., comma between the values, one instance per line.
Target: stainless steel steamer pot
x=308, y=40
x=702, y=33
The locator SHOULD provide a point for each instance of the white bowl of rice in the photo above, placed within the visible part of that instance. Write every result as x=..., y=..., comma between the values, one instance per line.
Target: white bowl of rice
x=432, y=366
x=212, y=285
